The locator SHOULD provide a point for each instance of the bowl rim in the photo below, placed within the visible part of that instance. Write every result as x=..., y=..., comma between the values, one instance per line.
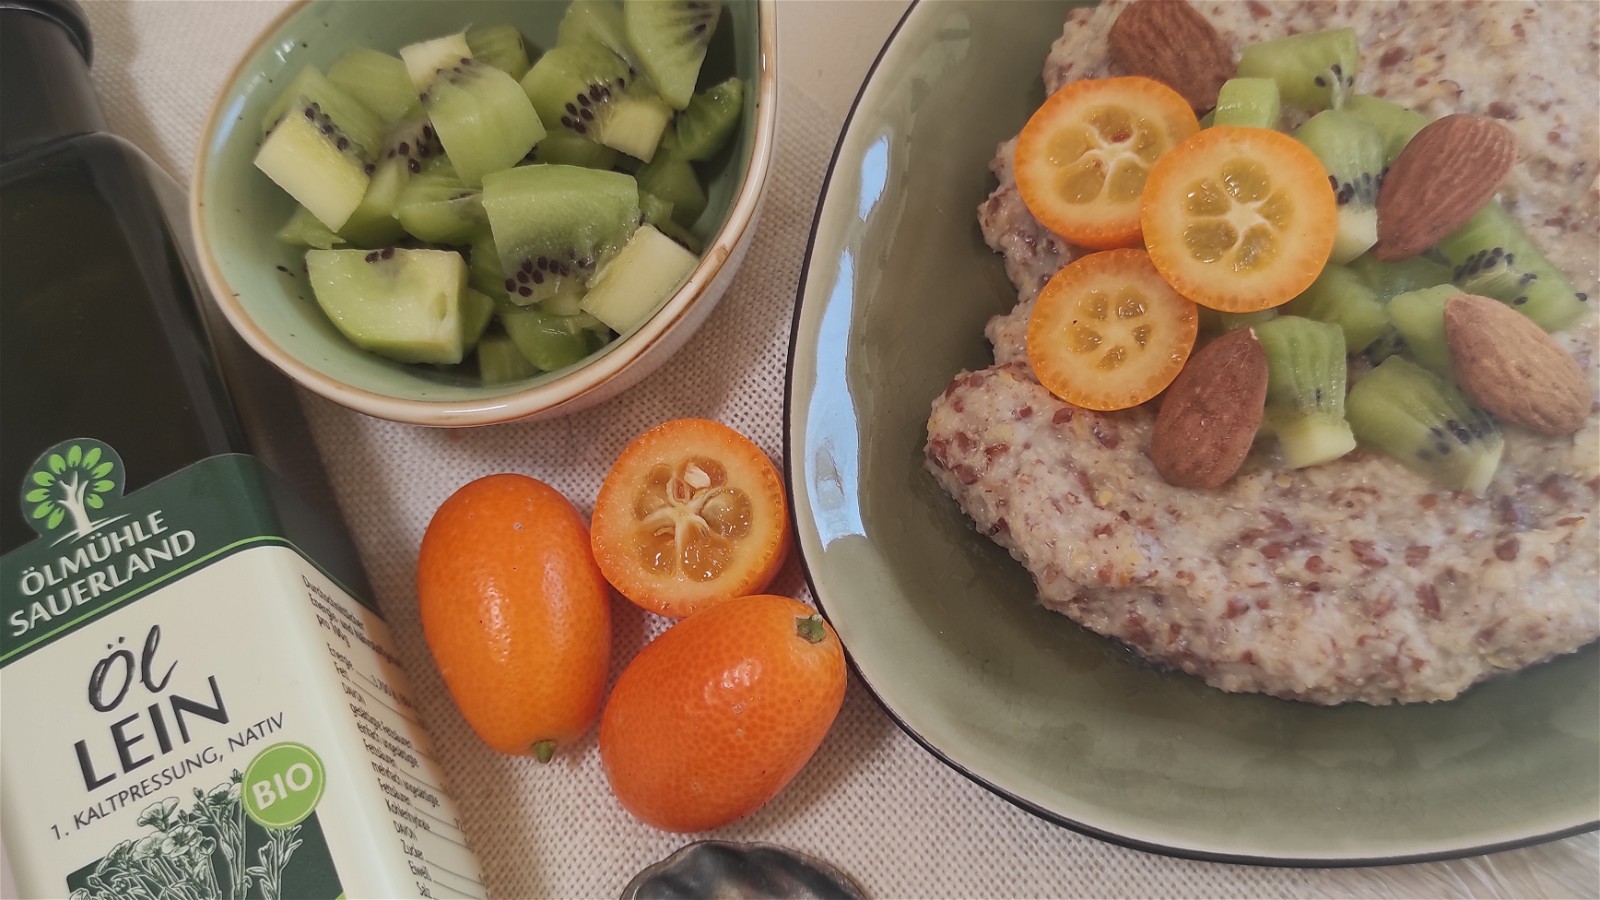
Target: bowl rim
x=551, y=396
x=810, y=552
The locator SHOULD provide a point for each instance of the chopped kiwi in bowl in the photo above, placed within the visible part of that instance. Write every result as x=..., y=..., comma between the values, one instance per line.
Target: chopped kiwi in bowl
x=528, y=144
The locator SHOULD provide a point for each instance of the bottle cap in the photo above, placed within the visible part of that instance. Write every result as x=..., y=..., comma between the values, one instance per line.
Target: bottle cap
x=45, y=90
x=66, y=13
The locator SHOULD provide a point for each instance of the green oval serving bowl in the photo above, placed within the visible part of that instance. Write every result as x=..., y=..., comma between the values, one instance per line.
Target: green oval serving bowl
x=260, y=284
x=943, y=626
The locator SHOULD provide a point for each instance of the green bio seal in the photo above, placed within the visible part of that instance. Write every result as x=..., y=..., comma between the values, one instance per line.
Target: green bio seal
x=283, y=784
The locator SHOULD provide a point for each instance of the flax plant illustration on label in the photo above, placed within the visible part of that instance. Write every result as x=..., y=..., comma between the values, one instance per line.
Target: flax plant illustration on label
x=210, y=848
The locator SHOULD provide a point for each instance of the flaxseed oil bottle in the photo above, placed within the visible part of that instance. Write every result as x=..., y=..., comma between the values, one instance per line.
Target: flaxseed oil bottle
x=197, y=697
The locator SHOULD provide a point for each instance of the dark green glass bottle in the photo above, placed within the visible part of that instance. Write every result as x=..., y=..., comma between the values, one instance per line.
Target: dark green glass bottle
x=200, y=697
x=100, y=328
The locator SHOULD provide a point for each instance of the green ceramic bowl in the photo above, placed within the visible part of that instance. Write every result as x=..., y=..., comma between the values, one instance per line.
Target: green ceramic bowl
x=236, y=210
x=942, y=624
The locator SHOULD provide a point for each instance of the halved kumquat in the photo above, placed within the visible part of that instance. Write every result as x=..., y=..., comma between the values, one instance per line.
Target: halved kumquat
x=691, y=514
x=1082, y=159
x=1239, y=219
x=1108, y=333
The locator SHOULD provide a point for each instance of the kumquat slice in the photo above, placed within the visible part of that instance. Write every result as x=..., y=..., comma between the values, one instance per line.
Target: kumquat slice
x=1239, y=219
x=1107, y=332
x=1082, y=159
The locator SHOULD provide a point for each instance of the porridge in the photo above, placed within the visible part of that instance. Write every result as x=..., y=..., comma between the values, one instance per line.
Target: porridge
x=1358, y=579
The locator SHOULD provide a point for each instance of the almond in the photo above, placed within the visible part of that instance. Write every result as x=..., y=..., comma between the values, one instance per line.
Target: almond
x=1509, y=366
x=1211, y=413
x=1169, y=41
x=1449, y=170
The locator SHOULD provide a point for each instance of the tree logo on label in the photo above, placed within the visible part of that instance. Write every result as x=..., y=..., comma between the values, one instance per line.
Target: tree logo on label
x=68, y=487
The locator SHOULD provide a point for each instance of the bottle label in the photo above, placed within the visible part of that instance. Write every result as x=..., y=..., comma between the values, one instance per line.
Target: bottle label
x=197, y=703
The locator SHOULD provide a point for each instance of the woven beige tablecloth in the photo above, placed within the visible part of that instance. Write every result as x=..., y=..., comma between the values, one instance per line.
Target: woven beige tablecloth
x=871, y=801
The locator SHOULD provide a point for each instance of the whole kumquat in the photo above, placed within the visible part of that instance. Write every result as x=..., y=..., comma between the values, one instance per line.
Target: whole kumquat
x=516, y=613
x=717, y=715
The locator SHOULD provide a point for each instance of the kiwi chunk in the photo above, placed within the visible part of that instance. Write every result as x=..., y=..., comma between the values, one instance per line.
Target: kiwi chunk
x=565, y=304
x=484, y=120
x=401, y=304
x=1390, y=279
x=657, y=213
x=638, y=280
x=567, y=148
x=1342, y=297
x=483, y=267
x=477, y=309
x=304, y=230
x=377, y=81
x=374, y=222
x=1418, y=317
x=1406, y=412
x=1387, y=345
x=589, y=92
x=438, y=207
x=653, y=210
x=670, y=38
x=1492, y=257
x=1351, y=150
x=1396, y=124
x=1248, y=103
x=343, y=112
x=597, y=23
x=500, y=361
x=555, y=226
x=674, y=180
x=549, y=341
x=316, y=163
x=710, y=120
x=1316, y=70
x=500, y=46
x=1306, y=375
x=425, y=59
